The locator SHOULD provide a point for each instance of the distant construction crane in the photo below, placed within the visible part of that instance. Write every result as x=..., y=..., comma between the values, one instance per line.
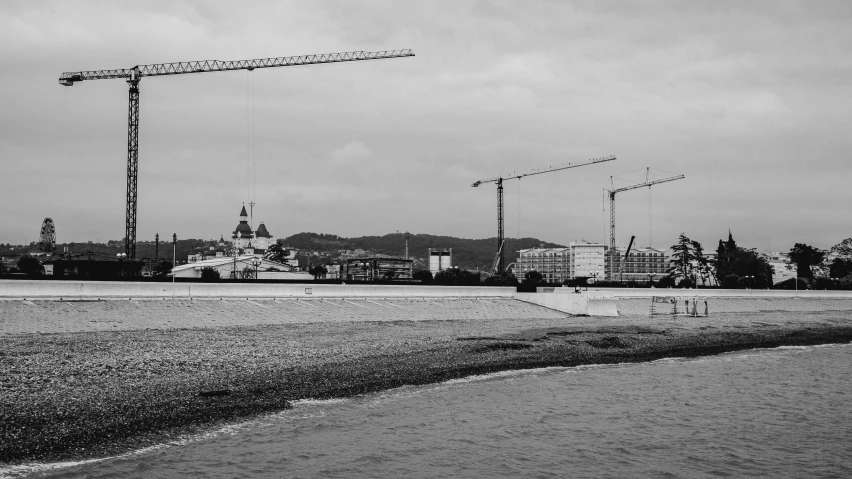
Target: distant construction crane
x=621, y=263
x=135, y=74
x=498, y=258
x=499, y=261
x=612, y=191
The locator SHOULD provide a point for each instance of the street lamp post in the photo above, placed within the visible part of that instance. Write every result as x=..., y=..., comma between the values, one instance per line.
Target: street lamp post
x=594, y=279
x=174, y=256
x=256, y=262
x=121, y=257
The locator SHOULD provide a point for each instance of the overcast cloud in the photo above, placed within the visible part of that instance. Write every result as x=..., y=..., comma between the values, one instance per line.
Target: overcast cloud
x=750, y=100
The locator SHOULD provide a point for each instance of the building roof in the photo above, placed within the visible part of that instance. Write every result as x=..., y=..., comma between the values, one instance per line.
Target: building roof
x=262, y=232
x=244, y=229
x=543, y=250
x=244, y=260
x=243, y=212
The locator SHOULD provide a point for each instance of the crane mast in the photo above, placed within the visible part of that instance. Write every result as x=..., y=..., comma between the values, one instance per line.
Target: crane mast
x=134, y=74
x=612, y=192
x=499, y=262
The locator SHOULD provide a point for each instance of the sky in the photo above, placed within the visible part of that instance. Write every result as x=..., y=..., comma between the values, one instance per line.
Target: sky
x=751, y=101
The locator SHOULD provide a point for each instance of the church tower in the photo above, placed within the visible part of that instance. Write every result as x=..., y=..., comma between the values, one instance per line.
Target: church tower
x=243, y=234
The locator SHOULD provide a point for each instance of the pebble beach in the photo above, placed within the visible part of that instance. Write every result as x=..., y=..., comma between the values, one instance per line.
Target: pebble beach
x=89, y=379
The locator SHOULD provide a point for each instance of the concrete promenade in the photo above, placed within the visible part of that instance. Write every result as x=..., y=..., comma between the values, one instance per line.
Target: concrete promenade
x=722, y=293
x=637, y=301
x=592, y=302
x=66, y=290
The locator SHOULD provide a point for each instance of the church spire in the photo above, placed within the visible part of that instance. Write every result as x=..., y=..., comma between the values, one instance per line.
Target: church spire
x=243, y=214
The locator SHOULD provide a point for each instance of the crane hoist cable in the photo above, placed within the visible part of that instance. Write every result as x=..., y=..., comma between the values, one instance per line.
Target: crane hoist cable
x=134, y=75
x=612, y=190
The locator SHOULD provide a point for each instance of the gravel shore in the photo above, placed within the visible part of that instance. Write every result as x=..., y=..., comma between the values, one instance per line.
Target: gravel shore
x=74, y=395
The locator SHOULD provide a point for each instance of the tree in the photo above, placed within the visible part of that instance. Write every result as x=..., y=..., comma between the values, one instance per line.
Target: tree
x=318, y=271
x=163, y=268
x=30, y=266
x=503, y=278
x=802, y=257
x=422, y=275
x=533, y=277
x=840, y=268
x=702, y=264
x=730, y=281
x=733, y=263
x=3, y=269
x=209, y=273
x=277, y=253
x=247, y=273
x=456, y=277
x=844, y=248
x=725, y=254
x=682, y=258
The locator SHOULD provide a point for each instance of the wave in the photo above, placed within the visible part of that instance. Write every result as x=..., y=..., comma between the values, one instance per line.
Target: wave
x=22, y=470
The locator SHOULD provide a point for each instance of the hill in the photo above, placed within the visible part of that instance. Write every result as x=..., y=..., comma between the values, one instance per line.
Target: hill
x=467, y=253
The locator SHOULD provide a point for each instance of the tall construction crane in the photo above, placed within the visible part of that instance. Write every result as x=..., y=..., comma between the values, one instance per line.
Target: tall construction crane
x=134, y=74
x=499, y=262
x=612, y=192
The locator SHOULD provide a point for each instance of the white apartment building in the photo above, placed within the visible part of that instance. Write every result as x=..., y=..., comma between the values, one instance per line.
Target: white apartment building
x=588, y=260
x=440, y=259
x=554, y=264
x=642, y=265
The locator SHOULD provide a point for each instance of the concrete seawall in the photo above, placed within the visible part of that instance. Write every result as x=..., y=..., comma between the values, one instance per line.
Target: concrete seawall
x=594, y=302
x=722, y=293
x=21, y=289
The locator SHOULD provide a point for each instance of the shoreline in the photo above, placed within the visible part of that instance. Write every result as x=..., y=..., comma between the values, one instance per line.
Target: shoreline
x=77, y=396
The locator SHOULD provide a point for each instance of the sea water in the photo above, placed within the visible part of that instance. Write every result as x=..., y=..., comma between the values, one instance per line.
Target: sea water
x=784, y=412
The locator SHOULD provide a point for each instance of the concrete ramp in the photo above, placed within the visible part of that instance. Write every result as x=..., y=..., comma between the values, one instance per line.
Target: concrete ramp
x=588, y=303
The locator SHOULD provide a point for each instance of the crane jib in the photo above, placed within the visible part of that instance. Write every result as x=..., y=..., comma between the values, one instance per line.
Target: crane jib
x=518, y=176
x=133, y=75
x=202, y=66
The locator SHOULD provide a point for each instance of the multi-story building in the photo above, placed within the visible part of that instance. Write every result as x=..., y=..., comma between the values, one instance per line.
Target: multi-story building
x=588, y=260
x=440, y=259
x=554, y=264
x=592, y=260
x=642, y=265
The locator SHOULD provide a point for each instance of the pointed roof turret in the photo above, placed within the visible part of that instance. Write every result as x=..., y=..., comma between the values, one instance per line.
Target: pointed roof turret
x=262, y=232
x=243, y=230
